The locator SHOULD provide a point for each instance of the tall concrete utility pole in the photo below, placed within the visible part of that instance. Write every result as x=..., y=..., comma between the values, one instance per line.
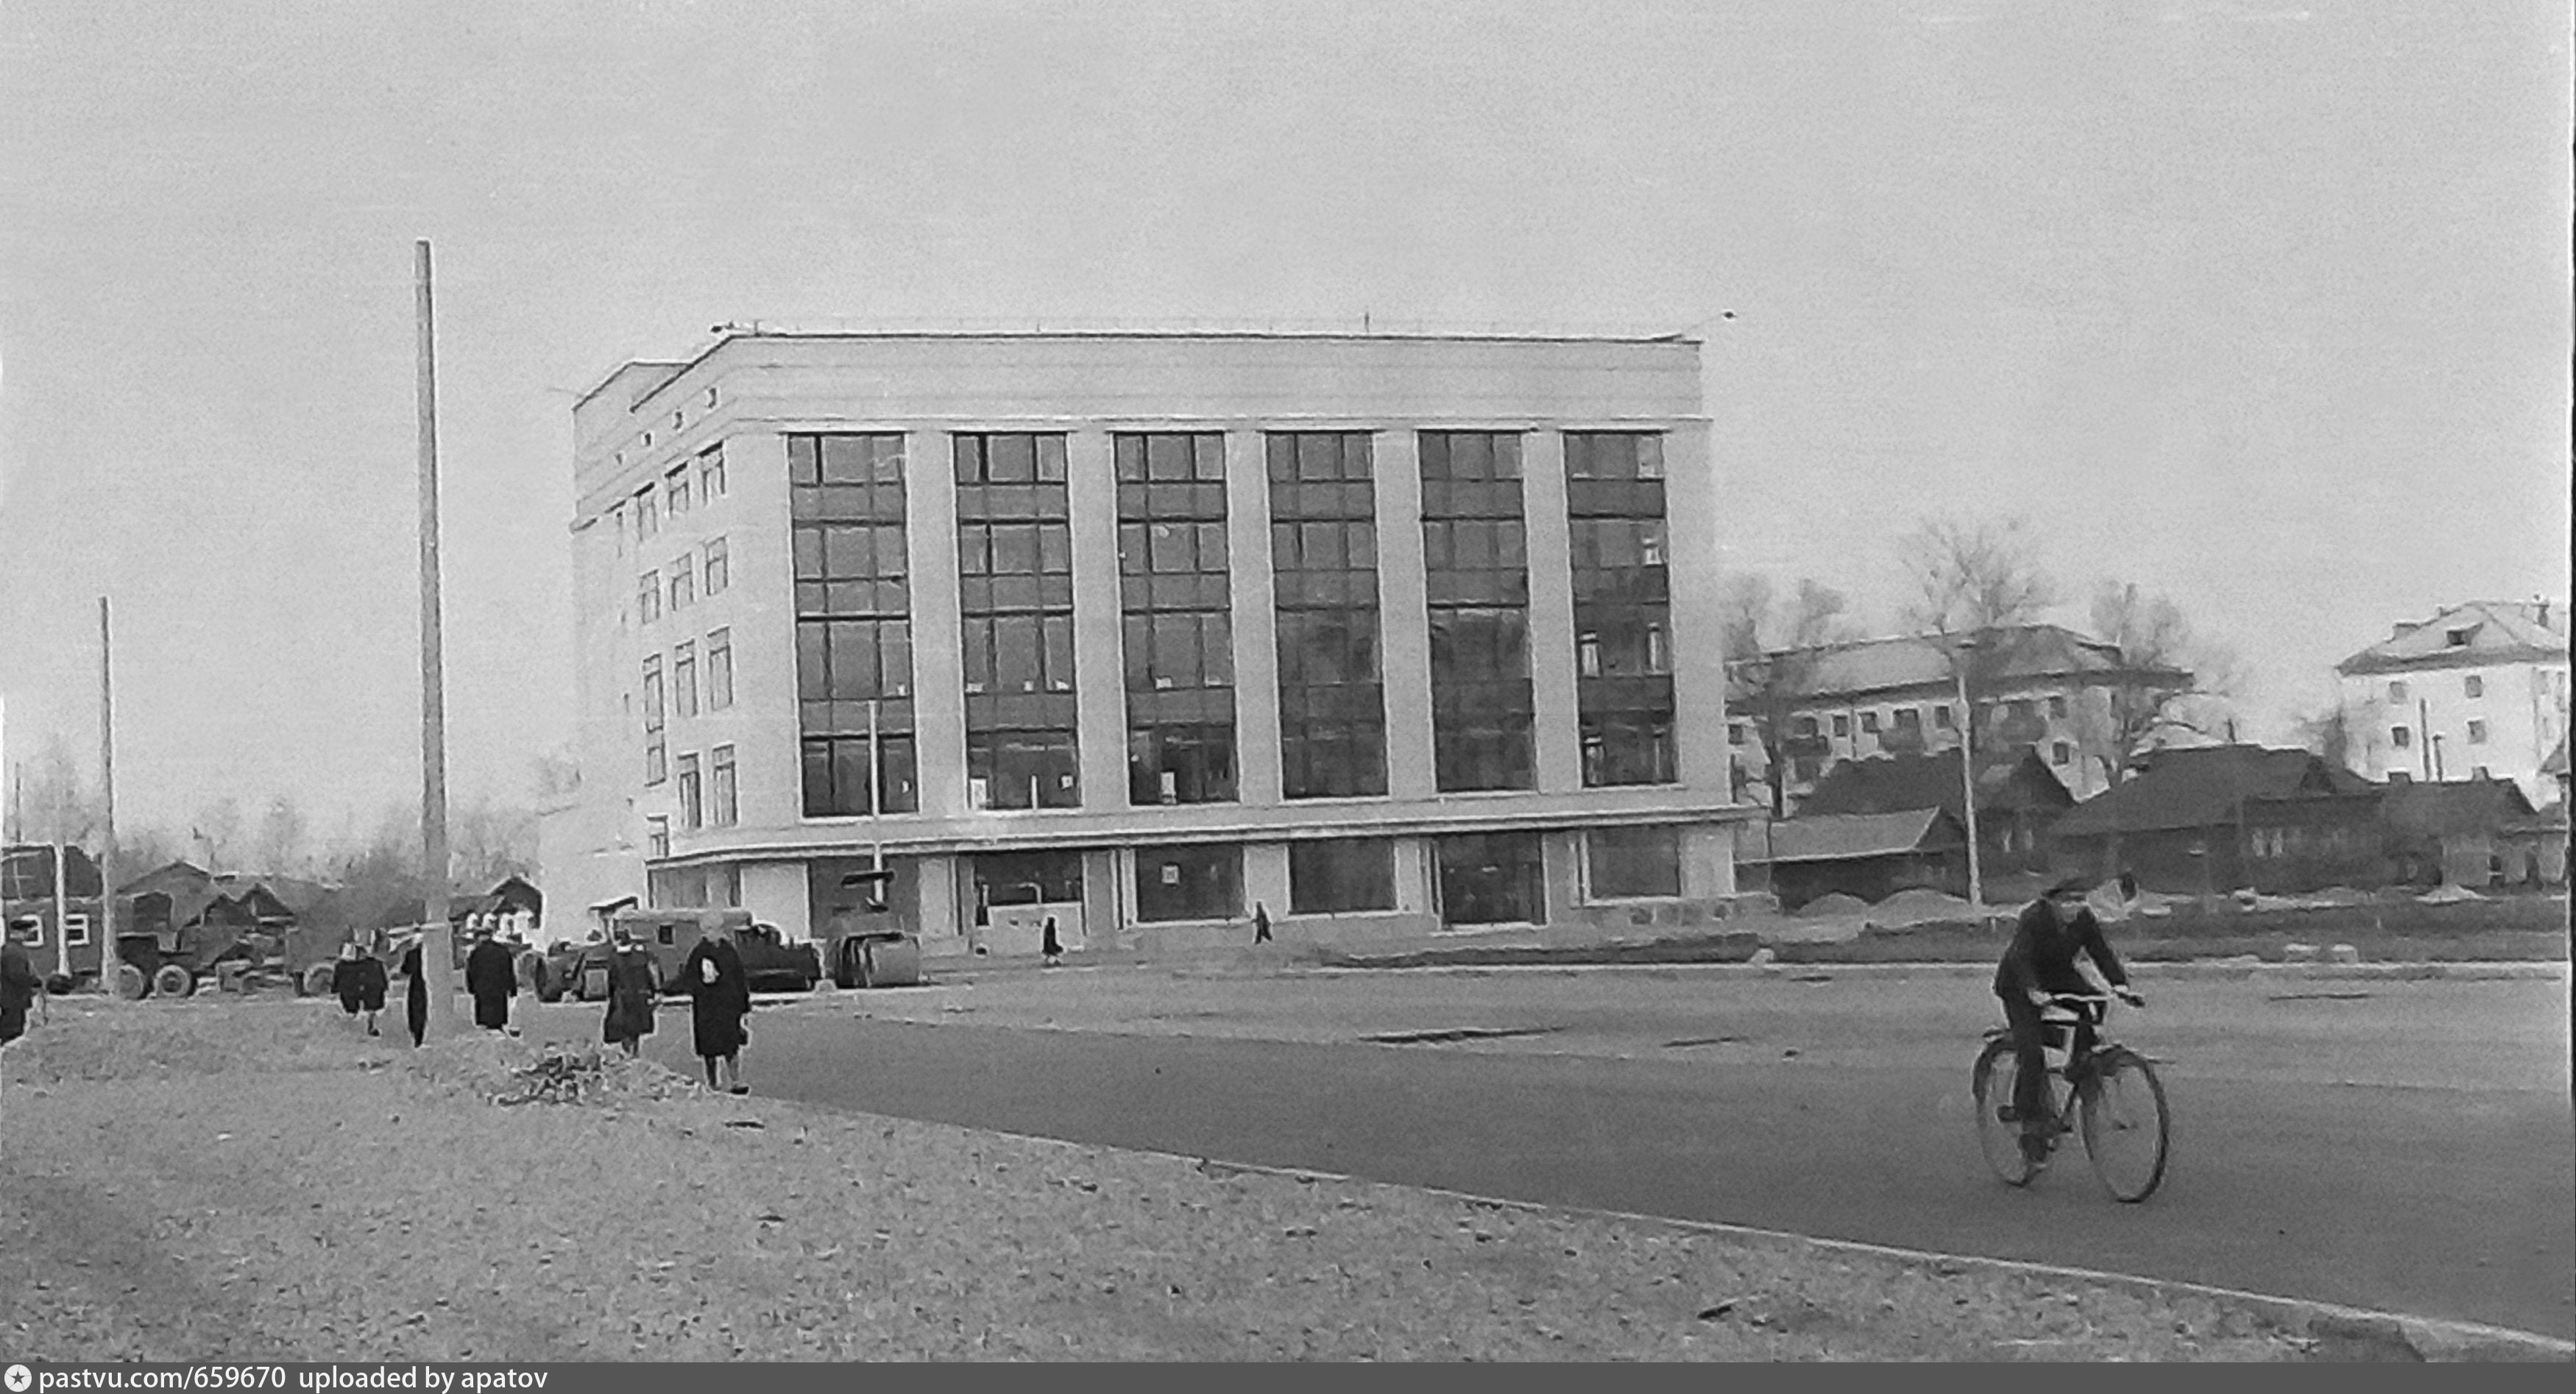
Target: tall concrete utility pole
x=436, y=955
x=111, y=964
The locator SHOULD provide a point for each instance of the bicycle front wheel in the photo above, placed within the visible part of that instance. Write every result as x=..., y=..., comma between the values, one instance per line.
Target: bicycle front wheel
x=1996, y=1070
x=2127, y=1130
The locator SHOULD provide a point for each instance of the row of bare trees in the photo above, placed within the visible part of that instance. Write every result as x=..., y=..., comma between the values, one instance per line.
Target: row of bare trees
x=1981, y=580
x=489, y=839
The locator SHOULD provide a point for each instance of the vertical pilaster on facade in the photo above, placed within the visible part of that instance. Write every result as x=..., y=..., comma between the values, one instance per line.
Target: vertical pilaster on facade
x=1708, y=861
x=1561, y=853
x=935, y=916
x=1556, y=731
x=1104, y=896
x=760, y=608
x=1413, y=871
x=1692, y=517
x=1256, y=644
x=1100, y=692
x=777, y=893
x=1404, y=616
x=938, y=664
x=1265, y=878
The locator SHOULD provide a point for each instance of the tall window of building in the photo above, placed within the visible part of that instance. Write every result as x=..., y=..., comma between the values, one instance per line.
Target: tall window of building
x=657, y=836
x=655, y=769
x=1614, y=487
x=719, y=567
x=1189, y=883
x=1015, y=603
x=719, y=669
x=1323, y=556
x=647, y=523
x=648, y=597
x=1475, y=556
x=675, y=491
x=684, y=679
x=617, y=526
x=692, y=794
x=1633, y=863
x=711, y=474
x=727, y=809
x=853, y=624
x=684, y=585
x=1174, y=597
x=1341, y=875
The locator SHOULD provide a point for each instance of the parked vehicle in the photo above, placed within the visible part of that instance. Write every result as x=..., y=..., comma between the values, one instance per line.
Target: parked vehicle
x=771, y=963
x=866, y=944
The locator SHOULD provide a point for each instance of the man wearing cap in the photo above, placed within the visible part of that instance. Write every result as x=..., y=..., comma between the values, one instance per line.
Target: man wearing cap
x=2053, y=932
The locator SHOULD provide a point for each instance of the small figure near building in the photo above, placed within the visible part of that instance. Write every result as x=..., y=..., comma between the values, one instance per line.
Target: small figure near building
x=416, y=997
x=1050, y=946
x=1260, y=923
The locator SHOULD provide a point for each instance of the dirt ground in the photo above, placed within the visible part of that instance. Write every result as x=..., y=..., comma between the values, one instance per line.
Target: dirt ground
x=244, y=1179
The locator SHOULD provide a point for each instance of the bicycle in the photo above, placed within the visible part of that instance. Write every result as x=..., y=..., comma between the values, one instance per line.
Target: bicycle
x=2110, y=1093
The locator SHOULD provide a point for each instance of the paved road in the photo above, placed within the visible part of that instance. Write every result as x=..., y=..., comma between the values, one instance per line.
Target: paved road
x=2446, y=1202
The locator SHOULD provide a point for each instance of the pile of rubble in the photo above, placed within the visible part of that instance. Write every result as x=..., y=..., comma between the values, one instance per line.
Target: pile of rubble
x=508, y=1071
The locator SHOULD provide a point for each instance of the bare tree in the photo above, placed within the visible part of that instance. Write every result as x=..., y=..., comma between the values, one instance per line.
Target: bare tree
x=1968, y=578
x=489, y=841
x=280, y=848
x=219, y=828
x=51, y=790
x=2171, y=681
x=1773, y=646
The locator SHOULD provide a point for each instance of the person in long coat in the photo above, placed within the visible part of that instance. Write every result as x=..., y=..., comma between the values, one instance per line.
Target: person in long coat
x=416, y=1002
x=344, y=982
x=630, y=996
x=371, y=988
x=20, y=987
x=493, y=979
x=720, y=996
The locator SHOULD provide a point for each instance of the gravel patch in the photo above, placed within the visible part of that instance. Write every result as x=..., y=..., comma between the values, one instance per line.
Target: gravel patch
x=245, y=1181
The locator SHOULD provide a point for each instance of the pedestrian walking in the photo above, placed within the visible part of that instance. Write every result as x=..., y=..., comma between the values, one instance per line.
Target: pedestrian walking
x=1050, y=946
x=493, y=980
x=350, y=982
x=1260, y=923
x=720, y=997
x=416, y=1000
x=20, y=988
x=630, y=996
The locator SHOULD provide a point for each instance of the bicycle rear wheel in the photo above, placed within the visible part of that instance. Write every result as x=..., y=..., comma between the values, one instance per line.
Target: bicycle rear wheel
x=2127, y=1130
x=1996, y=1070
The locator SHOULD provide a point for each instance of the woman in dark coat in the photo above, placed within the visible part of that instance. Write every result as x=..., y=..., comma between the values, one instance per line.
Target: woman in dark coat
x=493, y=980
x=630, y=997
x=721, y=998
x=371, y=988
x=416, y=1005
x=344, y=978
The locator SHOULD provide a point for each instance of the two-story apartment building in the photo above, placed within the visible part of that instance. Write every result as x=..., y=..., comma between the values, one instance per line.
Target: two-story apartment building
x=2039, y=689
x=2480, y=689
x=1149, y=631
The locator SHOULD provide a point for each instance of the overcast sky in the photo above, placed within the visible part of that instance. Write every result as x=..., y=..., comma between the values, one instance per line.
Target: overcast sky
x=2265, y=305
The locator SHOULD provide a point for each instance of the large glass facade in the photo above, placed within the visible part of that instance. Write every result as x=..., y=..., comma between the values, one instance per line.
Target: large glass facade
x=1323, y=556
x=1491, y=878
x=1475, y=557
x=1340, y=875
x=1015, y=606
x=1623, y=614
x=1189, y=883
x=853, y=623
x=1175, y=599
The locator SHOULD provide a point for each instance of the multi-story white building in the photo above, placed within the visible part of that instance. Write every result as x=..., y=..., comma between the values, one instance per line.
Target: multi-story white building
x=1150, y=632
x=2479, y=689
x=2040, y=688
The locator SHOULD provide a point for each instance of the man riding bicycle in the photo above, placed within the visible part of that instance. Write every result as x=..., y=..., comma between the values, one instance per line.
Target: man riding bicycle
x=2040, y=963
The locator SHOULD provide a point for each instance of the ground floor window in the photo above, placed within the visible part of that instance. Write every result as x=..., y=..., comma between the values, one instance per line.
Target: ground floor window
x=76, y=930
x=1026, y=878
x=1340, y=875
x=1491, y=878
x=1631, y=862
x=1189, y=883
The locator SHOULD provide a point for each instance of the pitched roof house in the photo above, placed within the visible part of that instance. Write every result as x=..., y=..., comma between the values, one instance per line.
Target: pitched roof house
x=1868, y=855
x=2479, y=689
x=2189, y=821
